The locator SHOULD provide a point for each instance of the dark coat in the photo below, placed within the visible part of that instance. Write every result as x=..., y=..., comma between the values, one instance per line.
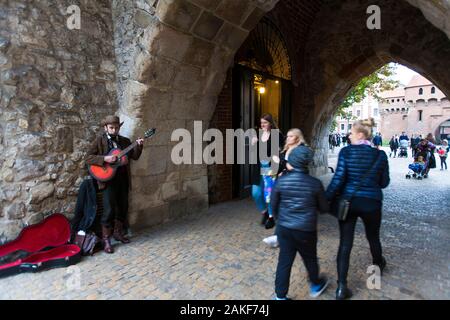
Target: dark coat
x=255, y=177
x=86, y=207
x=295, y=200
x=353, y=162
x=99, y=149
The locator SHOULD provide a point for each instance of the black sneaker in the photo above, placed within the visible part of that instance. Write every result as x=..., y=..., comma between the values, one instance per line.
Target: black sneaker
x=270, y=223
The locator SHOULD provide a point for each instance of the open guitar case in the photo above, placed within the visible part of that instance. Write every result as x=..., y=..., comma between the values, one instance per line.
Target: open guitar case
x=40, y=246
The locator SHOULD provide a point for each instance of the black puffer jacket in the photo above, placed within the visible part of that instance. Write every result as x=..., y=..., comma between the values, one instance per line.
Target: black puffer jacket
x=296, y=198
x=353, y=162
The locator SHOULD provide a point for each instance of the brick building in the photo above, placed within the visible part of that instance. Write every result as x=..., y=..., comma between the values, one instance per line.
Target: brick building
x=418, y=108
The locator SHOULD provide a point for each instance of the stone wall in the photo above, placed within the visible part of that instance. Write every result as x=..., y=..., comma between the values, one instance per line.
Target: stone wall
x=55, y=86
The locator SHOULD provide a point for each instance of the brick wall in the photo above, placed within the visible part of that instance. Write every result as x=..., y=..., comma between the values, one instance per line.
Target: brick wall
x=293, y=18
x=220, y=176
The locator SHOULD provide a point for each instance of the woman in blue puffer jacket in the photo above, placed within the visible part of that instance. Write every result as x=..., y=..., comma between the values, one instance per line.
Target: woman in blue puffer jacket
x=361, y=173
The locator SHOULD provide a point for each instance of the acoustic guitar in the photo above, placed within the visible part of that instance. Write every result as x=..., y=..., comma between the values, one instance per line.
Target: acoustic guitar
x=108, y=171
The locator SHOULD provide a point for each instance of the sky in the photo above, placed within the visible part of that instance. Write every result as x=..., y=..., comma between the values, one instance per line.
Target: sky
x=403, y=74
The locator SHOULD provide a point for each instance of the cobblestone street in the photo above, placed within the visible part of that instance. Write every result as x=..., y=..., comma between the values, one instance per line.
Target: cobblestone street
x=220, y=254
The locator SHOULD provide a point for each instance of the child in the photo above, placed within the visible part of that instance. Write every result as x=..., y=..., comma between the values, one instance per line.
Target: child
x=296, y=198
x=443, y=152
x=418, y=165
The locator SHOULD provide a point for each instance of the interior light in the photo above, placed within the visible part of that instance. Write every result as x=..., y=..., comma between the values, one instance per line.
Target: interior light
x=262, y=90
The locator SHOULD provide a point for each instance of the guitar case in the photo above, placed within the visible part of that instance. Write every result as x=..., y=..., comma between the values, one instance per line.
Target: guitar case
x=40, y=246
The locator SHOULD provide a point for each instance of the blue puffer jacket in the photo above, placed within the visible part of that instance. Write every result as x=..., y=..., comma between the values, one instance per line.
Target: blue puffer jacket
x=353, y=162
x=296, y=199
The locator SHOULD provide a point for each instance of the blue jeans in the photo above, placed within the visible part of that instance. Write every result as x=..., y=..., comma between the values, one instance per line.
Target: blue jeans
x=258, y=196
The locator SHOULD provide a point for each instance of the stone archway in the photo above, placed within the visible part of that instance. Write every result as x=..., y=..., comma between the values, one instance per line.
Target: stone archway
x=183, y=51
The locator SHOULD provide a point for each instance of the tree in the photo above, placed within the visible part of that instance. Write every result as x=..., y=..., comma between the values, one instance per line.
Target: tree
x=375, y=83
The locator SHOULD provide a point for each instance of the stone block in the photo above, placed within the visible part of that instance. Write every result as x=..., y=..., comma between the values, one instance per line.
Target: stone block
x=149, y=217
x=195, y=186
x=153, y=161
x=188, y=79
x=41, y=192
x=233, y=11
x=168, y=42
x=208, y=25
x=199, y=53
x=178, y=13
x=207, y=4
x=253, y=19
x=170, y=190
x=25, y=169
x=15, y=211
x=196, y=205
x=231, y=37
x=142, y=18
x=64, y=140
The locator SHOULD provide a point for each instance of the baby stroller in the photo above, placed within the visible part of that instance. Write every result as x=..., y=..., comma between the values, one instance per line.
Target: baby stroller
x=417, y=170
x=403, y=149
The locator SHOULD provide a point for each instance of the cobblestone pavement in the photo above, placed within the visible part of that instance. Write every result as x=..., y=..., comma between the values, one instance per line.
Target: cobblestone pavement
x=220, y=254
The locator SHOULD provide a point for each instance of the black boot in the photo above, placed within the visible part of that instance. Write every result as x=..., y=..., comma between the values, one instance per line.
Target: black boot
x=381, y=265
x=342, y=292
x=265, y=216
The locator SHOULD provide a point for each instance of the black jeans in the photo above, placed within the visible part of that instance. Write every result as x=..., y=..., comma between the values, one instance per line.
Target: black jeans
x=293, y=241
x=115, y=200
x=443, y=162
x=369, y=210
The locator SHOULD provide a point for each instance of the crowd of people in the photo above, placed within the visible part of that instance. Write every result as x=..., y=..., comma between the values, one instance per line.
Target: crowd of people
x=296, y=198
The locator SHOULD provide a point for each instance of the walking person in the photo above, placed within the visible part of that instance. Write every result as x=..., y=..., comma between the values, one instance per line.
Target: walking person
x=262, y=168
x=361, y=173
x=296, y=199
x=393, y=144
x=294, y=138
x=443, y=153
x=377, y=142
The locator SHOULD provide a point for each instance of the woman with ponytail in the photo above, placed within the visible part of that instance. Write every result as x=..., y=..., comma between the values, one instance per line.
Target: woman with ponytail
x=361, y=173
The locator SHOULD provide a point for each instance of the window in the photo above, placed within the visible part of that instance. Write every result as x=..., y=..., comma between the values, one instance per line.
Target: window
x=349, y=126
x=358, y=113
x=420, y=115
x=375, y=112
x=420, y=91
x=398, y=100
x=342, y=127
x=433, y=90
x=392, y=100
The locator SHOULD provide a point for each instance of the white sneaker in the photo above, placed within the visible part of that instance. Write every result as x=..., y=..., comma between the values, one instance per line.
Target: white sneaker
x=271, y=241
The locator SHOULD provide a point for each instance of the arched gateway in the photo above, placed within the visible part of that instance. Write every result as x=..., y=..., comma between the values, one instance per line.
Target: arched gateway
x=167, y=63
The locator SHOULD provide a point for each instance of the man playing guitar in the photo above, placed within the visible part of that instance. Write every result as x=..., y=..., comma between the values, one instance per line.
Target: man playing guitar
x=115, y=191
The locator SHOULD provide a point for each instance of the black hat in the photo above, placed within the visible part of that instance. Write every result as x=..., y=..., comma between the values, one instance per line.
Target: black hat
x=300, y=157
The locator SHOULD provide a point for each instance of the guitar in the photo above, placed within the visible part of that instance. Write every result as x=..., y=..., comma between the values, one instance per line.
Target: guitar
x=108, y=170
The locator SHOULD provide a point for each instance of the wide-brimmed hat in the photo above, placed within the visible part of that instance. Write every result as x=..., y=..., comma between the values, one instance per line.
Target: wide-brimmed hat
x=111, y=120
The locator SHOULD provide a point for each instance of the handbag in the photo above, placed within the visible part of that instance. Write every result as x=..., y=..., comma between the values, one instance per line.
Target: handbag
x=344, y=203
x=87, y=243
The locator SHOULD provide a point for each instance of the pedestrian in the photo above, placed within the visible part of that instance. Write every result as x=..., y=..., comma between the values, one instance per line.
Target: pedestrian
x=360, y=175
x=115, y=191
x=262, y=168
x=296, y=198
x=393, y=144
x=294, y=138
x=443, y=153
x=377, y=141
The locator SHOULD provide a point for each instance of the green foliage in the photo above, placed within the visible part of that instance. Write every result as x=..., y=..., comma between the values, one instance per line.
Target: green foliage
x=375, y=83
